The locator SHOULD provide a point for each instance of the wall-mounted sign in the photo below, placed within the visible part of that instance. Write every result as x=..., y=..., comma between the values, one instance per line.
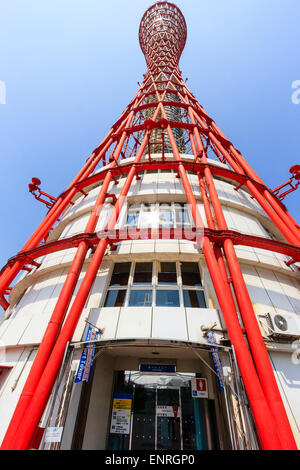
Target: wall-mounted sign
x=199, y=388
x=168, y=411
x=158, y=368
x=53, y=434
x=121, y=414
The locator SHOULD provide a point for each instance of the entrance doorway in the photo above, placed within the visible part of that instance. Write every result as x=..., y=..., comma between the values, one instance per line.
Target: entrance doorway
x=159, y=413
x=164, y=418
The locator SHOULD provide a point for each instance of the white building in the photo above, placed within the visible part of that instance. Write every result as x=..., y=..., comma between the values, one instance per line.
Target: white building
x=152, y=301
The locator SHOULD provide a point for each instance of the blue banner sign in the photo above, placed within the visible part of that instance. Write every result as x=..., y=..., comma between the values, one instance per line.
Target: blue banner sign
x=87, y=356
x=216, y=359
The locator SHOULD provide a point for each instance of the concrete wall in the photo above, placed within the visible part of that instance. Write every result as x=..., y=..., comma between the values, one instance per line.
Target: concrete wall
x=20, y=359
x=97, y=425
x=163, y=323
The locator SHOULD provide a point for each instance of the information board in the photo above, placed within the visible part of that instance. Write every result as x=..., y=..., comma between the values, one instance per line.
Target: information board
x=121, y=414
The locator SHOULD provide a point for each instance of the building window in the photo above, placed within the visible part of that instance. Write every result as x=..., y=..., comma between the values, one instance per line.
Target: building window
x=190, y=274
x=140, y=298
x=167, y=273
x=193, y=298
x=120, y=274
x=157, y=283
x=167, y=298
x=158, y=215
x=118, y=285
x=142, y=274
x=115, y=298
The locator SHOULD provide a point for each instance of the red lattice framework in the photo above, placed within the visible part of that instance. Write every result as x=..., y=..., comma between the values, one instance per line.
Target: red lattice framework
x=164, y=114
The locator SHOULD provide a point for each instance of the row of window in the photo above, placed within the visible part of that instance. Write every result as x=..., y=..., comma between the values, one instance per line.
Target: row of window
x=161, y=215
x=159, y=171
x=160, y=284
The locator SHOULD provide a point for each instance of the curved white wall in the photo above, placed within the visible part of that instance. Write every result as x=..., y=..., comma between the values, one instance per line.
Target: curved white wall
x=272, y=285
x=242, y=214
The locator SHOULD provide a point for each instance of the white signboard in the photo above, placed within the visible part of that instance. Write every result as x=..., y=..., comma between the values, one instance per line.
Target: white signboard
x=168, y=411
x=53, y=434
x=121, y=414
x=120, y=422
x=199, y=388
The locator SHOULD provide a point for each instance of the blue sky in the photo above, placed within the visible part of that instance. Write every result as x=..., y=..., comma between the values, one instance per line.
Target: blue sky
x=71, y=67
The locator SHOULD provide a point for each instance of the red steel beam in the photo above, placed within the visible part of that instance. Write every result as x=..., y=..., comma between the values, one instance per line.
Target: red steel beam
x=59, y=312
x=117, y=236
x=266, y=199
x=3, y=302
x=7, y=276
x=259, y=352
x=280, y=217
x=27, y=419
x=188, y=234
x=258, y=403
x=60, y=309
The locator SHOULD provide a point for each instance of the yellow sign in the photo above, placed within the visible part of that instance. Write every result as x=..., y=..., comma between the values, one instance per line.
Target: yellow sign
x=121, y=404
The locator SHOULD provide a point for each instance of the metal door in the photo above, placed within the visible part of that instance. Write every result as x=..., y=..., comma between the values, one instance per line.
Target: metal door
x=168, y=419
x=156, y=419
x=143, y=419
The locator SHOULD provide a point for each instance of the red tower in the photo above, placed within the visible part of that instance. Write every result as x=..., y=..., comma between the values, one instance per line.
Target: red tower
x=163, y=118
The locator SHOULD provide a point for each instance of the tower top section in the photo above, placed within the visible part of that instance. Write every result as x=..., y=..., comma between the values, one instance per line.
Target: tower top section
x=162, y=33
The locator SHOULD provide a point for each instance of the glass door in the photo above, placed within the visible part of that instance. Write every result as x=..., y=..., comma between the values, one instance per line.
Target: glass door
x=168, y=419
x=143, y=419
x=160, y=414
